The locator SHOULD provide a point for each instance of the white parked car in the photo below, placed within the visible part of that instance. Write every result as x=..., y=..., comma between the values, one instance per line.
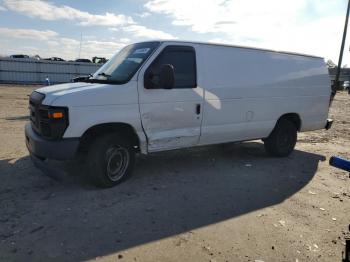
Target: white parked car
x=156, y=96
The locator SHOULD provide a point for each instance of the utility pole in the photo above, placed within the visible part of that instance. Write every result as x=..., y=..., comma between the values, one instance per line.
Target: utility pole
x=81, y=40
x=336, y=81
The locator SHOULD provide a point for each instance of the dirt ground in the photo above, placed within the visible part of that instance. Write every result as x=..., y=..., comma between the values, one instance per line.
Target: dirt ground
x=217, y=203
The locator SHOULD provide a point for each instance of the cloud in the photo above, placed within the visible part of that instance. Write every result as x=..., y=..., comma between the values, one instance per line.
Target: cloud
x=2, y=8
x=113, y=29
x=124, y=40
x=221, y=15
x=144, y=32
x=27, y=33
x=102, y=46
x=49, y=43
x=48, y=11
x=143, y=15
x=308, y=26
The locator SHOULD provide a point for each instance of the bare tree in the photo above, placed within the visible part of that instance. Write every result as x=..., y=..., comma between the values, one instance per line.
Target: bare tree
x=331, y=64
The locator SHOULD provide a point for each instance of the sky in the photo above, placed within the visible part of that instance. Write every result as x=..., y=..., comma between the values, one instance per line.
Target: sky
x=58, y=27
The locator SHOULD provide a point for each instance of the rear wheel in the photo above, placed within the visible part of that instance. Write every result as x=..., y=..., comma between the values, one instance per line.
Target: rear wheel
x=110, y=160
x=282, y=140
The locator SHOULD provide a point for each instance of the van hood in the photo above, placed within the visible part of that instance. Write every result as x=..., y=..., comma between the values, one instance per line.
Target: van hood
x=55, y=91
x=89, y=94
x=50, y=90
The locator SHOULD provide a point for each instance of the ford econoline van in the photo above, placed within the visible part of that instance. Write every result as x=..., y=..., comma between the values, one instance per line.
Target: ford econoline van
x=163, y=95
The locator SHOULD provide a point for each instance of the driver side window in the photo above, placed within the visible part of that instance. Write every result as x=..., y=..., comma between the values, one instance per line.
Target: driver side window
x=183, y=59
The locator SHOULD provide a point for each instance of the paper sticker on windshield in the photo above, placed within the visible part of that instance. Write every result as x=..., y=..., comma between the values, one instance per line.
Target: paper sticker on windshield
x=142, y=51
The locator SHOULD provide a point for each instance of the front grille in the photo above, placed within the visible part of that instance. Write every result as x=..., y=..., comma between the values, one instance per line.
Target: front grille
x=45, y=129
x=39, y=114
x=40, y=121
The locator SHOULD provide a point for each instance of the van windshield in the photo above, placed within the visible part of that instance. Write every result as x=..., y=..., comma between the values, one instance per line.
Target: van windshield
x=122, y=66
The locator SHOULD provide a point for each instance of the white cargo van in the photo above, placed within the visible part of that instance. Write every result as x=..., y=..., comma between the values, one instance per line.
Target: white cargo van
x=163, y=95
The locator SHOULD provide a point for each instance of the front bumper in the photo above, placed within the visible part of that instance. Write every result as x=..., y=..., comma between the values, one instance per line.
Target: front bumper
x=63, y=149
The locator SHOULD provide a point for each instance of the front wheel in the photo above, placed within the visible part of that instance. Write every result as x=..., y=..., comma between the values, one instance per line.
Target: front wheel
x=110, y=160
x=282, y=140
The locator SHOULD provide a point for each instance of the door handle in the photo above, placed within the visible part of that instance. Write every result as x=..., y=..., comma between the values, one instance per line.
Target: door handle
x=198, y=109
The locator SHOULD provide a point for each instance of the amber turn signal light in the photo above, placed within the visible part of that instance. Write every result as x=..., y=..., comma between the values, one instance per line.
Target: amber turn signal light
x=56, y=115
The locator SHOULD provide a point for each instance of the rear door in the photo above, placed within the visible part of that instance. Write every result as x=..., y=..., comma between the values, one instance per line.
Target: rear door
x=171, y=118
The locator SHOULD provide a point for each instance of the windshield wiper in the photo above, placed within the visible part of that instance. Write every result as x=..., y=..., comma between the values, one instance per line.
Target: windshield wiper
x=82, y=78
x=104, y=74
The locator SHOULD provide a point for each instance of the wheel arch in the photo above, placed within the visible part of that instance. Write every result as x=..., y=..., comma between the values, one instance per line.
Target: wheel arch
x=124, y=129
x=293, y=117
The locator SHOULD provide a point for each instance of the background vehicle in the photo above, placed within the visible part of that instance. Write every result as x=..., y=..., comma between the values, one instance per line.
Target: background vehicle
x=54, y=59
x=99, y=60
x=19, y=56
x=156, y=96
x=83, y=60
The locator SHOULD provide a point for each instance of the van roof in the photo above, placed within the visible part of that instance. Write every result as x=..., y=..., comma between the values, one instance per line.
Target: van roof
x=240, y=46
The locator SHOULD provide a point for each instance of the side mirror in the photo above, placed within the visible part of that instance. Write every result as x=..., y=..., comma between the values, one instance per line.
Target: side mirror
x=167, y=76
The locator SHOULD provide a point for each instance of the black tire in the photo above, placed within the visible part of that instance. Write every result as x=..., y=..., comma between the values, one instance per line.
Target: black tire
x=282, y=140
x=110, y=160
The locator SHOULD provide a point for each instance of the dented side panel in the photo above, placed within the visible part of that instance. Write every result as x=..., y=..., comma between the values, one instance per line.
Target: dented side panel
x=170, y=124
x=169, y=117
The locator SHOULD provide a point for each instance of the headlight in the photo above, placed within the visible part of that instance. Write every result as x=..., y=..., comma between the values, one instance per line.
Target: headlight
x=57, y=121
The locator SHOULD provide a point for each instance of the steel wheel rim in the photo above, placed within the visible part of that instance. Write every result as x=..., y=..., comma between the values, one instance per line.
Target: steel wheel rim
x=117, y=159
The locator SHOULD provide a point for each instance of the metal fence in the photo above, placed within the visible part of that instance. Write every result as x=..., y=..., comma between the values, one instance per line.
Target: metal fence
x=344, y=74
x=31, y=71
